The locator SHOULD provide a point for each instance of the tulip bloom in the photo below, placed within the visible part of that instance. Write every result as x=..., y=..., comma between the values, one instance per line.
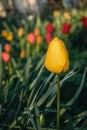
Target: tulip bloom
x=22, y=54
x=48, y=37
x=49, y=28
x=39, y=39
x=57, y=60
x=9, y=36
x=7, y=47
x=66, y=28
x=56, y=13
x=67, y=15
x=20, y=31
x=4, y=33
x=84, y=21
x=31, y=38
x=5, y=56
x=36, y=31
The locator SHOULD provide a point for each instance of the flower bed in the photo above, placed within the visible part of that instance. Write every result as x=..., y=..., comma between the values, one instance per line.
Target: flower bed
x=28, y=92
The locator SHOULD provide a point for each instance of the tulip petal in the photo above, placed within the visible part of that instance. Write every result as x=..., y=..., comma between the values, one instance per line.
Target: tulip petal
x=66, y=66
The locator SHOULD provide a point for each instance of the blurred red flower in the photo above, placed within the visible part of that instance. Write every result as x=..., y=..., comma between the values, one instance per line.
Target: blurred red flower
x=31, y=38
x=84, y=21
x=66, y=28
x=49, y=28
x=48, y=37
x=7, y=47
x=5, y=56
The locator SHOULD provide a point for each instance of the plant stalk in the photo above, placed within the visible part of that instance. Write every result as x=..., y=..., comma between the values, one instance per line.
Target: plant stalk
x=0, y=67
x=58, y=102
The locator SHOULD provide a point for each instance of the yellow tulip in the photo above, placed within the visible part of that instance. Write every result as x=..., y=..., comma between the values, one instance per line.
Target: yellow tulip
x=20, y=31
x=57, y=59
x=56, y=13
x=4, y=33
x=9, y=36
x=67, y=15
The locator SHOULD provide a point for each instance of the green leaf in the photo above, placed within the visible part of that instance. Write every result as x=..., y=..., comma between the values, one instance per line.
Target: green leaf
x=40, y=63
x=31, y=118
x=69, y=126
x=76, y=95
x=27, y=68
x=37, y=117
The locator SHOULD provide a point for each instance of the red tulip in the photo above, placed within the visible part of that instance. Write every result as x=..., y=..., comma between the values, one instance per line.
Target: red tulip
x=49, y=28
x=48, y=37
x=7, y=47
x=84, y=21
x=31, y=38
x=66, y=28
x=5, y=56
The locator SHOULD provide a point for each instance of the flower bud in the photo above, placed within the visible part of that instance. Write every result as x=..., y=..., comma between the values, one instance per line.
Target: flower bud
x=4, y=33
x=31, y=38
x=49, y=28
x=66, y=28
x=84, y=22
x=38, y=39
x=48, y=37
x=20, y=32
x=5, y=56
x=9, y=36
x=36, y=31
x=7, y=47
x=22, y=54
x=57, y=60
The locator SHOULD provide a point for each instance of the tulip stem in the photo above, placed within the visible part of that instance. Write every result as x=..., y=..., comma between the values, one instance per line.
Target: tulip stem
x=28, y=50
x=0, y=67
x=58, y=102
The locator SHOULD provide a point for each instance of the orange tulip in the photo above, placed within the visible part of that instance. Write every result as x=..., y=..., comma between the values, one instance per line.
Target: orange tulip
x=38, y=39
x=36, y=31
x=4, y=33
x=22, y=54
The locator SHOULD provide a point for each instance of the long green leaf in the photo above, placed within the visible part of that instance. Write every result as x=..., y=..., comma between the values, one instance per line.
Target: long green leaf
x=31, y=118
x=37, y=117
x=76, y=95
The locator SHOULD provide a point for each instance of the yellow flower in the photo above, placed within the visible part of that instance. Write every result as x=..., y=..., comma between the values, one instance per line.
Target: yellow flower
x=56, y=13
x=57, y=60
x=9, y=37
x=20, y=32
x=67, y=15
x=4, y=33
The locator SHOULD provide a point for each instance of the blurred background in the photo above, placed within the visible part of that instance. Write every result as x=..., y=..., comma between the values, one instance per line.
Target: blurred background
x=36, y=6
